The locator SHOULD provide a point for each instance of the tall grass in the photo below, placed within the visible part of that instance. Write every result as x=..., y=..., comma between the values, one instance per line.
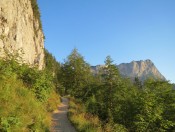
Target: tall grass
x=83, y=122
x=19, y=110
x=86, y=122
x=26, y=98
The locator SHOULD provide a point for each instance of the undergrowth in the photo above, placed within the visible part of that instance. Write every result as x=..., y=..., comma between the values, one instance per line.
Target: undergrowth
x=83, y=122
x=87, y=122
x=27, y=96
x=20, y=111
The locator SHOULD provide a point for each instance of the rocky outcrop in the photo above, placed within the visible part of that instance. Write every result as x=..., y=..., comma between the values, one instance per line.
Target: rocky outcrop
x=96, y=69
x=141, y=69
x=20, y=31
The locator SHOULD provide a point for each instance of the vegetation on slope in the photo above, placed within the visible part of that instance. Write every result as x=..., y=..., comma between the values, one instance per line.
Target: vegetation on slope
x=82, y=120
x=116, y=102
x=26, y=97
x=102, y=102
x=36, y=12
x=20, y=111
x=88, y=122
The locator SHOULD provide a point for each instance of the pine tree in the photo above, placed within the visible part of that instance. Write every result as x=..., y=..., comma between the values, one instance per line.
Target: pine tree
x=76, y=74
x=111, y=83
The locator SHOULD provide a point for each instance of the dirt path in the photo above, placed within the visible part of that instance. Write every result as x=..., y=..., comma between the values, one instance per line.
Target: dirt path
x=60, y=120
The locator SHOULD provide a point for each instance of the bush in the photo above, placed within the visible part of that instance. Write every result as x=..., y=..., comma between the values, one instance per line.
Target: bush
x=83, y=122
x=19, y=108
x=25, y=98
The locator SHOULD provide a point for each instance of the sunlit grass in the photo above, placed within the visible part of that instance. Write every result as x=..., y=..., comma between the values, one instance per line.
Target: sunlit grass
x=83, y=121
x=53, y=101
x=19, y=109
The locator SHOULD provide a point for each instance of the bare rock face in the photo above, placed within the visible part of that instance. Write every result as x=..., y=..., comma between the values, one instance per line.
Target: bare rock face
x=141, y=69
x=96, y=69
x=20, y=32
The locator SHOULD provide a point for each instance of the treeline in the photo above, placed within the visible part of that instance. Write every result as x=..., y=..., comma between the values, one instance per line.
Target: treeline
x=27, y=95
x=118, y=103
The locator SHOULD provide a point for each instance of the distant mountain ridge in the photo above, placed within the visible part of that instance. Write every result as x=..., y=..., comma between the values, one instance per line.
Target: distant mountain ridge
x=141, y=69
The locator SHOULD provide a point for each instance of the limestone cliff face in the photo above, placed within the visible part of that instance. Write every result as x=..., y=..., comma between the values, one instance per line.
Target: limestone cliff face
x=20, y=29
x=141, y=69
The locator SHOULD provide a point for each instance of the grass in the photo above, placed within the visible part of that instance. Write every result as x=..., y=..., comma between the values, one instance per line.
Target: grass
x=19, y=110
x=53, y=101
x=20, y=107
x=86, y=122
x=83, y=122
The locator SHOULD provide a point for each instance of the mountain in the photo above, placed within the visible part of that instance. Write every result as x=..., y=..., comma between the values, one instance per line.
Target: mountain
x=141, y=69
x=21, y=31
x=96, y=69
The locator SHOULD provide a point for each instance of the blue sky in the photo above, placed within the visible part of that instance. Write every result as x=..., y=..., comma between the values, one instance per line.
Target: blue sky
x=124, y=29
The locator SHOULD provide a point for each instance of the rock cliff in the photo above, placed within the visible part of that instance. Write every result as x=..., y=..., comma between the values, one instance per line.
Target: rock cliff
x=141, y=69
x=20, y=31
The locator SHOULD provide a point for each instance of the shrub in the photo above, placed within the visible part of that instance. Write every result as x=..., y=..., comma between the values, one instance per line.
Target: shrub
x=25, y=97
x=83, y=122
x=19, y=108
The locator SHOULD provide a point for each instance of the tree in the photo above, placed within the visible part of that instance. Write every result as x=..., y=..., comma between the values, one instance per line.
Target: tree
x=155, y=107
x=137, y=82
x=111, y=84
x=76, y=74
x=52, y=67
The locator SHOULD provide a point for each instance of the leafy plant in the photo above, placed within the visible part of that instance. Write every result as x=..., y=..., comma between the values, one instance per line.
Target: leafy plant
x=25, y=95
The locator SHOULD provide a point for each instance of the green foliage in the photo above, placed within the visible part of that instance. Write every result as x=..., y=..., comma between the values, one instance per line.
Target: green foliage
x=83, y=121
x=86, y=122
x=53, y=101
x=52, y=66
x=8, y=122
x=75, y=74
x=19, y=108
x=137, y=82
x=25, y=97
x=36, y=12
x=156, y=107
x=42, y=86
x=118, y=103
x=40, y=82
x=111, y=83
